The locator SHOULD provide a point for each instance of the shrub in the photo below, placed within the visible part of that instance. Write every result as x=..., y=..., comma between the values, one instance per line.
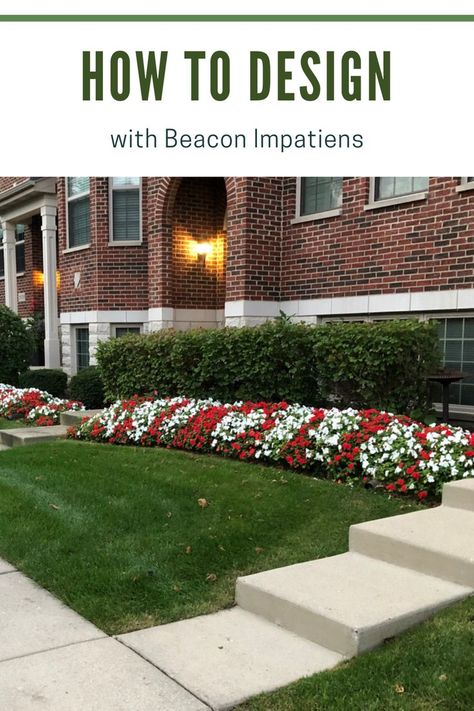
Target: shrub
x=379, y=365
x=87, y=387
x=16, y=345
x=51, y=380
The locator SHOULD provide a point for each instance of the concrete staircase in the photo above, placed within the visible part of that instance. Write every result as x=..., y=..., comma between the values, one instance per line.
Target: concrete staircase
x=301, y=619
x=21, y=436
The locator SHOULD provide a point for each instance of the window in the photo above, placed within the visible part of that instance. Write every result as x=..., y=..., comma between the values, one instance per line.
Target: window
x=396, y=190
x=82, y=347
x=78, y=212
x=318, y=197
x=387, y=188
x=20, y=250
x=457, y=344
x=465, y=184
x=120, y=331
x=125, y=210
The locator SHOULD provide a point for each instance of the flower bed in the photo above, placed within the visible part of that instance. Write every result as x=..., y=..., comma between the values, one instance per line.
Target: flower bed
x=404, y=456
x=32, y=406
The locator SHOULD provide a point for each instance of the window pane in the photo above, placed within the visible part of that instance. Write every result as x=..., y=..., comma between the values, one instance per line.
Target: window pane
x=79, y=222
x=124, y=330
x=470, y=179
x=82, y=348
x=420, y=184
x=457, y=343
x=2, y=262
x=126, y=214
x=320, y=195
x=76, y=186
x=454, y=327
x=19, y=233
x=386, y=188
x=121, y=182
x=20, y=258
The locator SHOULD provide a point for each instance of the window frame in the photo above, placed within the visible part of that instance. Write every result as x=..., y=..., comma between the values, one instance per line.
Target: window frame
x=75, y=359
x=335, y=212
x=124, y=242
x=465, y=184
x=114, y=326
x=19, y=243
x=69, y=199
x=374, y=204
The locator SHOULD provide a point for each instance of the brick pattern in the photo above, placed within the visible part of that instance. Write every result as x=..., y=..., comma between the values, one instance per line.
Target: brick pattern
x=198, y=216
x=262, y=254
x=418, y=246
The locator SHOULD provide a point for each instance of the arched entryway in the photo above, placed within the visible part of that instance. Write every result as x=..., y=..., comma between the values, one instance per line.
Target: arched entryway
x=187, y=252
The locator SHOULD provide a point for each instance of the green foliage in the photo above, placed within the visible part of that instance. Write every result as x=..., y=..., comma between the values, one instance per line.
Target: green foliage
x=16, y=345
x=379, y=364
x=382, y=364
x=53, y=381
x=87, y=387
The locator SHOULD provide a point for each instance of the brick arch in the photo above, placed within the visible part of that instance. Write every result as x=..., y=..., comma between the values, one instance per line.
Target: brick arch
x=160, y=203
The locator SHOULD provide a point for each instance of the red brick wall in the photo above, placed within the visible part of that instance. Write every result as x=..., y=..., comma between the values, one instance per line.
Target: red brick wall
x=425, y=245
x=254, y=239
x=419, y=246
x=198, y=216
x=83, y=298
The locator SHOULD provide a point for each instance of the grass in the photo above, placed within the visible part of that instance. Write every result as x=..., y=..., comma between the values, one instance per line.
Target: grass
x=430, y=668
x=10, y=424
x=119, y=533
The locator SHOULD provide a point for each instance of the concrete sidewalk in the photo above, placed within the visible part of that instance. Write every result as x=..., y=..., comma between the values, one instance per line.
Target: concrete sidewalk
x=288, y=623
x=52, y=659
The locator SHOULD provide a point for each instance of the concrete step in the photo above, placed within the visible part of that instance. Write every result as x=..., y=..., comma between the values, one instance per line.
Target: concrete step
x=3, y=447
x=349, y=603
x=75, y=417
x=459, y=494
x=438, y=542
x=21, y=436
x=229, y=656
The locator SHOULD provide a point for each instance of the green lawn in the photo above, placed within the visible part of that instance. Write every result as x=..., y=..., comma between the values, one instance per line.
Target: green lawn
x=430, y=668
x=119, y=534
x=10, y=424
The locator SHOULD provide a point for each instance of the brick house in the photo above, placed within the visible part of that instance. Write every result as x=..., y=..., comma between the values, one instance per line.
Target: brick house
x=104, y=256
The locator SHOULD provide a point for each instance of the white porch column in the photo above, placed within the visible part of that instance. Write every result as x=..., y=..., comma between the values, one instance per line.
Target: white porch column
x=9, y=256
x=51, y=321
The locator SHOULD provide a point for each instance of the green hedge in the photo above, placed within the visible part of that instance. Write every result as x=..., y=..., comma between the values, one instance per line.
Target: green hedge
x=87, y=387
x=16, y=346
x=380, y=365
x=51, y=380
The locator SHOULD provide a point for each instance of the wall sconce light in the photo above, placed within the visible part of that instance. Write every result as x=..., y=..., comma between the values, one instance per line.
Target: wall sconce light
x=38, y=278
x=202, y=250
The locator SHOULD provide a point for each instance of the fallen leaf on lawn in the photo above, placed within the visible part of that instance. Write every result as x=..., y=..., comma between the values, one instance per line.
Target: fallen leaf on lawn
x=399, y=689
x=221, y=548
x=176, y=588
x=211, y=577
x=258, y=550
x=189, y=549
x=53, y=506
x=442, y=677
x=203, y=503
